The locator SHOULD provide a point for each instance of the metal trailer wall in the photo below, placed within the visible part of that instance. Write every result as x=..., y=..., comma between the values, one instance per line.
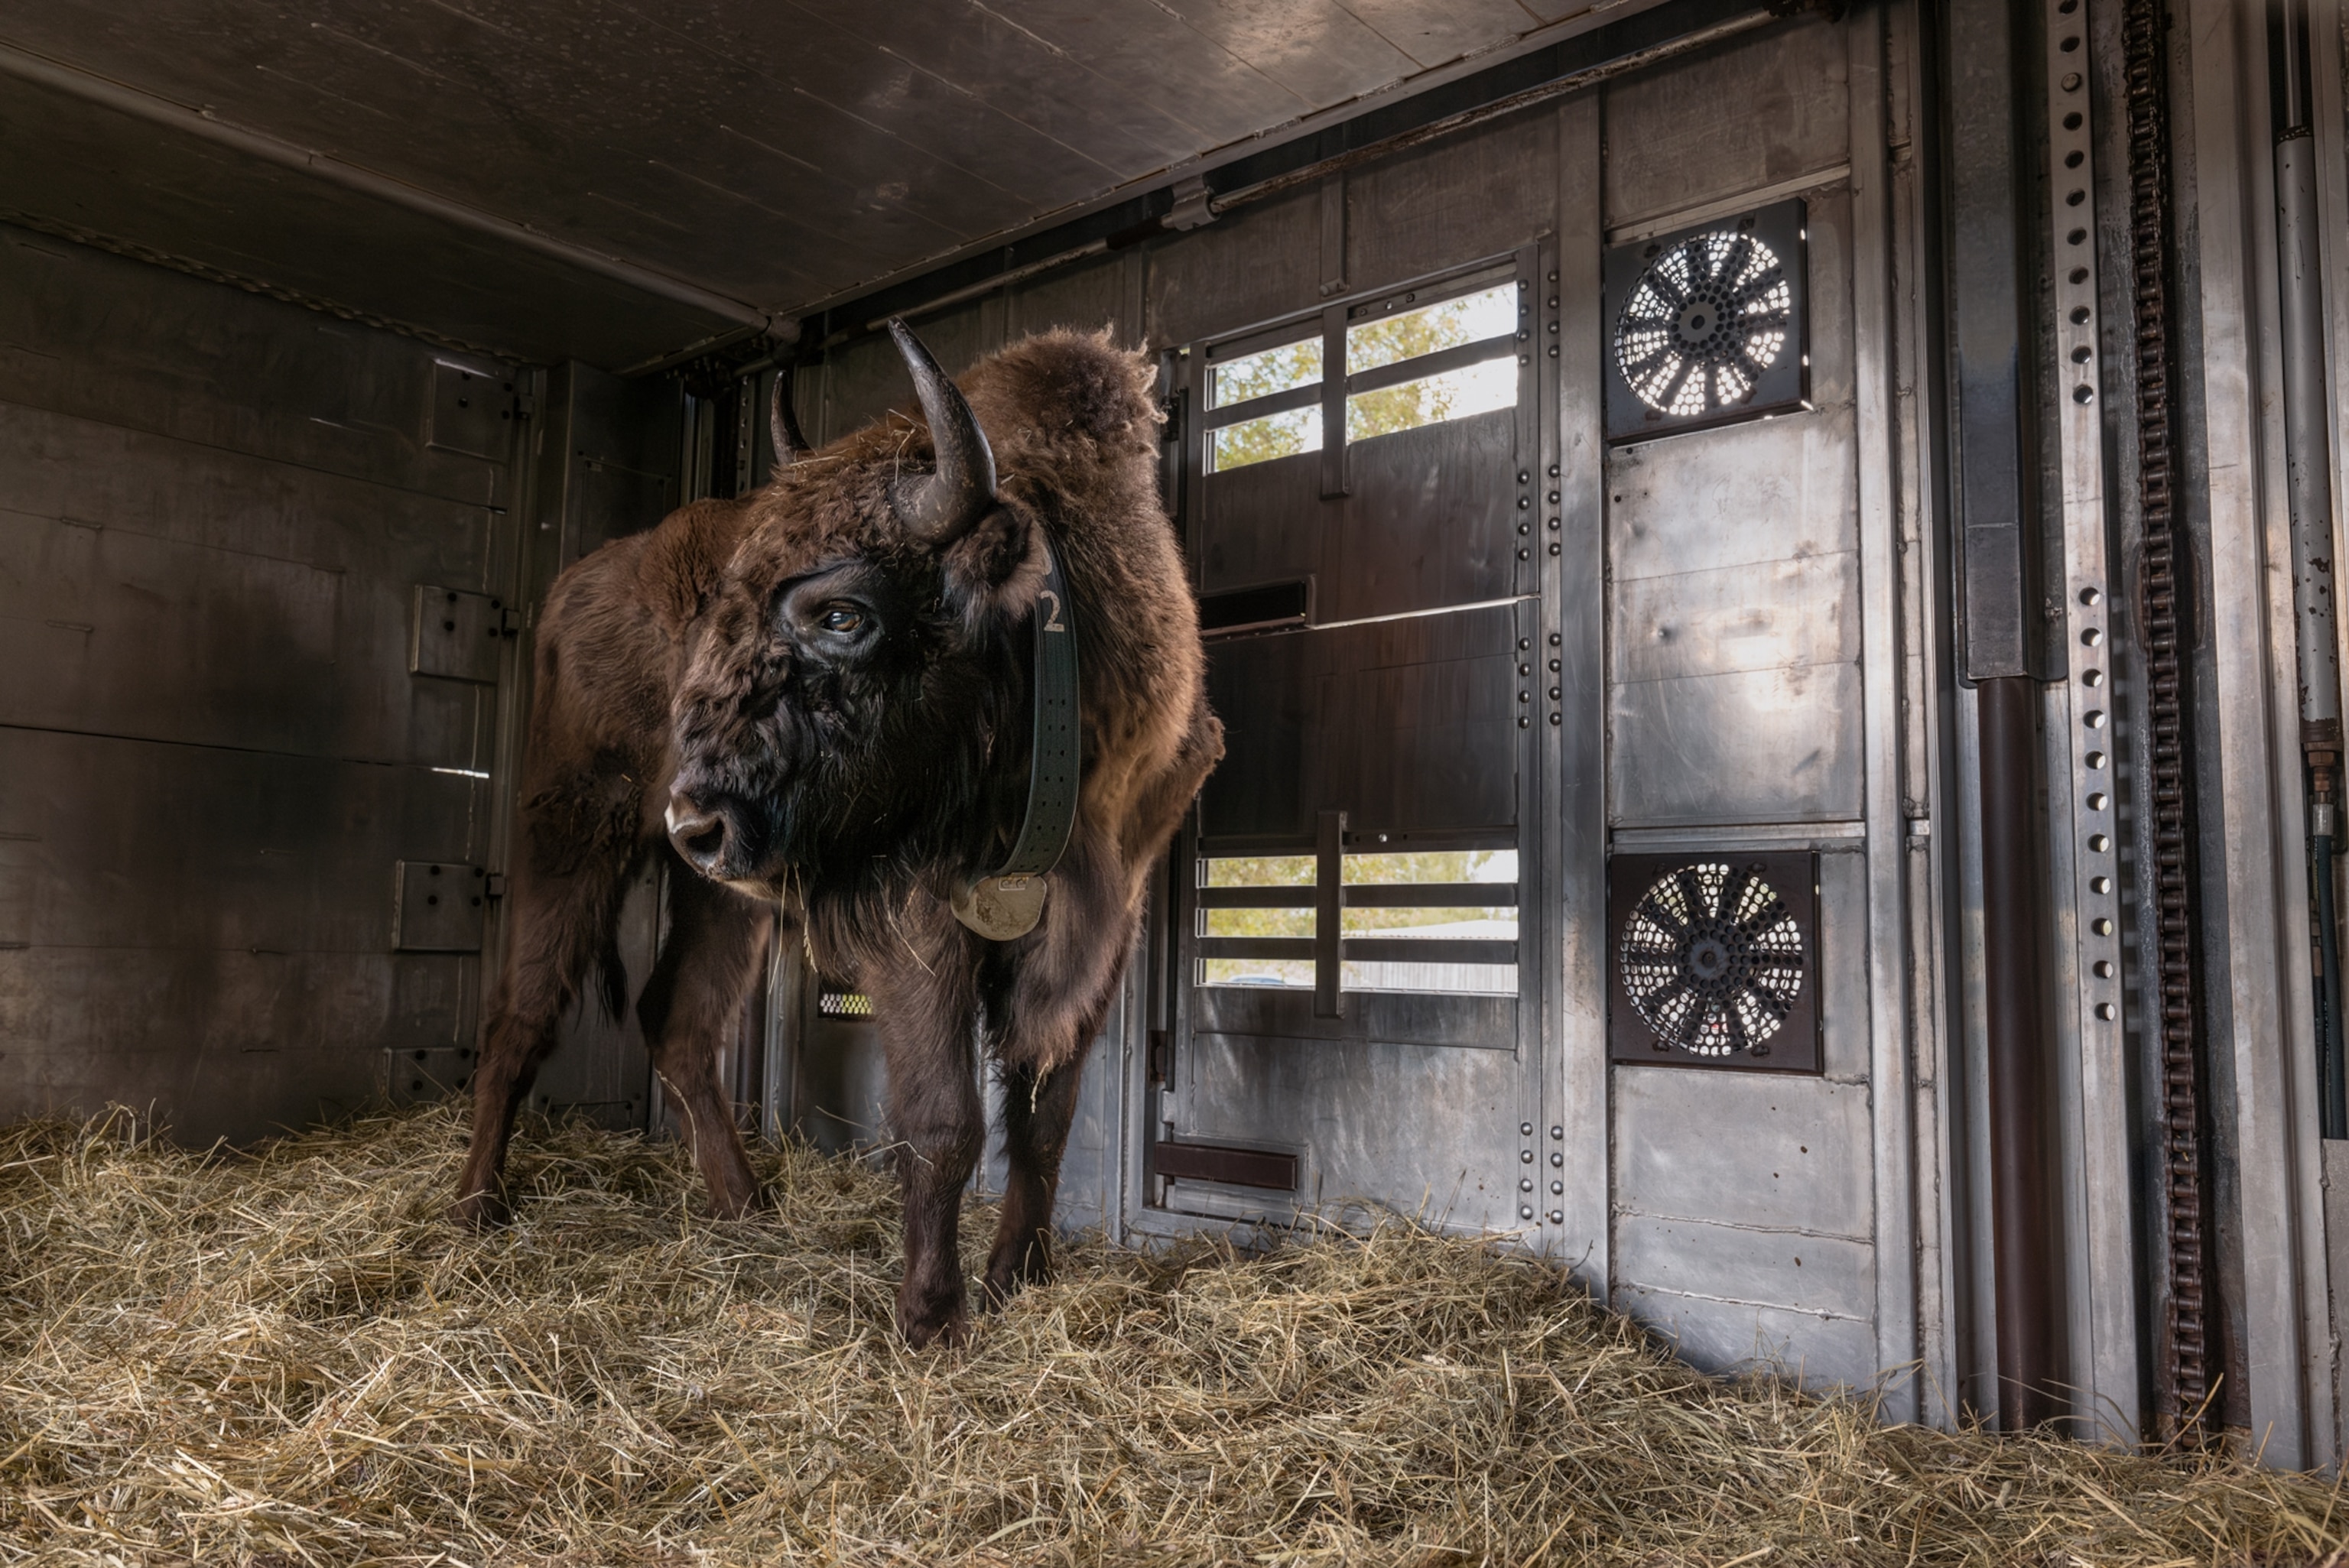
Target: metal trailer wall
x=1749, y=617
x=2283, y=1238
x=2326, y=1366
x=1674, y=1181
x=218, y=510
x=223, y=517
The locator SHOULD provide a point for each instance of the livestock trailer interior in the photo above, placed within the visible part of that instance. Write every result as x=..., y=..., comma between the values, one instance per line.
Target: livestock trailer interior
x=1766, y=570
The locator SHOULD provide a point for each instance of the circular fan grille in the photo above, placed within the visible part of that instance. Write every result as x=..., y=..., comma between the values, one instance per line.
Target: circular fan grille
x=1713, y=960
x=1708, y=317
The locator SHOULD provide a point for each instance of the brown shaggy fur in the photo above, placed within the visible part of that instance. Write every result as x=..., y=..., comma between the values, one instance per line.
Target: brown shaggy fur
x=861, y=790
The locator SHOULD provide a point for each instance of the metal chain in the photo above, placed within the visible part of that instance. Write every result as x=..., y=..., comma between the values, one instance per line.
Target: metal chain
x=2186, y=1361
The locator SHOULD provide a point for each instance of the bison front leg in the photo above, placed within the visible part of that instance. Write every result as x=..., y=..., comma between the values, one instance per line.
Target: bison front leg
x=926, y=1021
x=692, y=1001
x=1037, y=1110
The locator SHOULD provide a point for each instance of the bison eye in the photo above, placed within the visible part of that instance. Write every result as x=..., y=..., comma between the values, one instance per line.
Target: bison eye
x=841, y=618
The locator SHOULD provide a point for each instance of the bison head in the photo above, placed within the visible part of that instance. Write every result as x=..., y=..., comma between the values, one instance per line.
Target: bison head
x=853, y=684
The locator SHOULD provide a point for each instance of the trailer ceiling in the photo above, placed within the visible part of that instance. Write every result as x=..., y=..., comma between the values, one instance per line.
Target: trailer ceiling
x=615, y=182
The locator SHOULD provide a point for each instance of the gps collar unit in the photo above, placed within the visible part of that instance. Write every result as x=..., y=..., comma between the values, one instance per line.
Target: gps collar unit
x=1009, y=904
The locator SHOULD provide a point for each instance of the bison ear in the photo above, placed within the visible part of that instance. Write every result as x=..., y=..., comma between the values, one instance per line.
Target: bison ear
x=997, y=569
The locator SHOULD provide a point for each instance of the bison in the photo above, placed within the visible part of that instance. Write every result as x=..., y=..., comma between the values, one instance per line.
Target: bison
x=817, y=699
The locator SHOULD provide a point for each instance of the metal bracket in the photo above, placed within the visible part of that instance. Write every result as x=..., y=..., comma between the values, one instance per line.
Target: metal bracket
x=472, y=411
x=437, y=906
x=455, y=634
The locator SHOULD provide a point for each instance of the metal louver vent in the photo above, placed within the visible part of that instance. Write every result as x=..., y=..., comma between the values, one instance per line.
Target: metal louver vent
x=1713, y=960
x=1706, y=325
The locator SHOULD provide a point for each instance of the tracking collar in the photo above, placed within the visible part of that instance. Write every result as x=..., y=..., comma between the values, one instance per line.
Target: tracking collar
x=1008, y=902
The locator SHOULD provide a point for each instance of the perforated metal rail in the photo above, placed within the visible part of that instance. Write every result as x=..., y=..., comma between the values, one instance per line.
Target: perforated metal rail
x=2186, y=1349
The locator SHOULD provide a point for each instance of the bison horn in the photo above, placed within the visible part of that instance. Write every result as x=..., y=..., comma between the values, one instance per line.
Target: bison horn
x=943, y=506
x=784, y=423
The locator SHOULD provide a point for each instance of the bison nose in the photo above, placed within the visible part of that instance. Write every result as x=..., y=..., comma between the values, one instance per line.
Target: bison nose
x=700, y=834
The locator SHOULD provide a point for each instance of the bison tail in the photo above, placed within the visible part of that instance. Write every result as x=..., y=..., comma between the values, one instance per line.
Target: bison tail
x=612, y=979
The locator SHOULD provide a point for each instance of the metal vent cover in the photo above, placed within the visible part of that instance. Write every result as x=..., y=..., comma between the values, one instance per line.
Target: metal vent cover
x=1708, y=325
x=1713, y=960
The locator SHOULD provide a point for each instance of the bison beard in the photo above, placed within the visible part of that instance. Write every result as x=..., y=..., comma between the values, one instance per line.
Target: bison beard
x=815, y=697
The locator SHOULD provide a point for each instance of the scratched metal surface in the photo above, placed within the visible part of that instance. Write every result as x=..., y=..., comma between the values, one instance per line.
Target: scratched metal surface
x=224, y=456
x=1734, y=691
x=216, y=509
x=1748, y=1221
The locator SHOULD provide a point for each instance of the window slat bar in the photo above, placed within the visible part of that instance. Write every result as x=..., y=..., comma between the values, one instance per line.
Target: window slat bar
x=1256, y=947
x=1425, y=365
x=1303, y=396
x=1367, y=895
x=1426, y=950
x=1420, y=895
x=1257, y=897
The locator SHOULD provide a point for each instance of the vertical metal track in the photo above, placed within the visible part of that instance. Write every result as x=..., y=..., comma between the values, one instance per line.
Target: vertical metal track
x=2184, y=1382
x=2101, y=1235
x=1993, y=267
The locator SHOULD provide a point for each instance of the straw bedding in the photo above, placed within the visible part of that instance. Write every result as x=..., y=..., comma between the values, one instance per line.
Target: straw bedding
x=286, y=1358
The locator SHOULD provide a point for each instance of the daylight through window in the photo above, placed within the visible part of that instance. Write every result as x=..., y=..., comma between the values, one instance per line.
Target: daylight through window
x=1266, y=404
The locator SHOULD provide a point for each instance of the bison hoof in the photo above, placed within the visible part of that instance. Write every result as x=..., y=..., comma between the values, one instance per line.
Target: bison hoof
x=734, y=1206
x=1013, y=1267
x=945, y=1325
x=480, y=1211
x=1004, y=1283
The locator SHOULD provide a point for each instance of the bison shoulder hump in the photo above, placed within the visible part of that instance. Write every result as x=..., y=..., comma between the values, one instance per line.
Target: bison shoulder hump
x=1061, y=384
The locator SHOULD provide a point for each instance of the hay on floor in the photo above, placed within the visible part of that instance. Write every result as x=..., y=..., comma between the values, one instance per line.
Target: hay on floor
x=288, y=1358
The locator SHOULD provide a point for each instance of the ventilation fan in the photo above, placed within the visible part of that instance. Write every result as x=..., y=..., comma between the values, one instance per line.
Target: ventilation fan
x=1712, y=960
x=1706, y=325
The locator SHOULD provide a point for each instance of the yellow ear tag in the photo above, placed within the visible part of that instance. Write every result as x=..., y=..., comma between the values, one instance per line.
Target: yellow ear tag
x=1001, y=908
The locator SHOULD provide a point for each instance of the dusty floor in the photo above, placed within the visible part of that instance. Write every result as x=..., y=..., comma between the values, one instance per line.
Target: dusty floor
x=288, y=1358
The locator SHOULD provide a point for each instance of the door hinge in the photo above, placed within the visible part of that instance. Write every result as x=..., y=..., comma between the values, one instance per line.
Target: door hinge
x=1193, y=205
x=1162, y=1056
